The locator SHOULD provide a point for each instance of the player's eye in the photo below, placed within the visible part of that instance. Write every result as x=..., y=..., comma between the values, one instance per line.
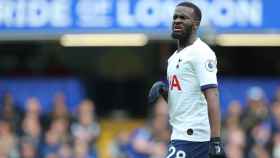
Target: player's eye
x=182, y=17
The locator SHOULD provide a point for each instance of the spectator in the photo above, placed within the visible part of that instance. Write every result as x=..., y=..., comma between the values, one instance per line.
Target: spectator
x=149, y=141
x=28, y=149
x=140, y=145
x=81, y=149
x=275, y=117
x=258, y=151
x=254, y=114
x=120, y=144
x=65, y=151
x=256, y=111
x=235, y=142
x=252, y=132
x=86, y=129
x=159, y=150
x=52, y=155
x=33, y=108
x=276, y=145
x=234, y=113
x=261, y=134
x=61, y=127
x=160, y=126
x=234, y=152
x=277, y=95
x=11, y=112
x=52, y=144
x=31, y=130
x=8, y=141
x=233, y=134
x=60, y=108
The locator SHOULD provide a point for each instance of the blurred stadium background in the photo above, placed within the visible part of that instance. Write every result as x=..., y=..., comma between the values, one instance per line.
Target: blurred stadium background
x=75, y=75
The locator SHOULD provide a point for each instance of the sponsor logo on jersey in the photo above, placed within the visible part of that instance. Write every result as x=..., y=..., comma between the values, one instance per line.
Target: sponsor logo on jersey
x=174, y=83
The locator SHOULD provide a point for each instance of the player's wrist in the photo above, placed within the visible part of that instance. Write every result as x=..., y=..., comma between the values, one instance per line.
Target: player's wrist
x=215, y=139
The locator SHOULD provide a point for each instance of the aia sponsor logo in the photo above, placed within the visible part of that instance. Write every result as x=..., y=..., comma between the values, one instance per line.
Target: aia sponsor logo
x=174, y=83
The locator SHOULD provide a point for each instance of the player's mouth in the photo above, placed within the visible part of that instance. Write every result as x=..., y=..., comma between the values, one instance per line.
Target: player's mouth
x=178, y=28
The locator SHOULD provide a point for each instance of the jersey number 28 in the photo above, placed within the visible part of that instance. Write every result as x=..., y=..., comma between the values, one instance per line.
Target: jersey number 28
x=173, y=153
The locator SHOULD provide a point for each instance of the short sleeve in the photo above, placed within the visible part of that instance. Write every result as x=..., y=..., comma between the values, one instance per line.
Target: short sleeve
x=205, y=66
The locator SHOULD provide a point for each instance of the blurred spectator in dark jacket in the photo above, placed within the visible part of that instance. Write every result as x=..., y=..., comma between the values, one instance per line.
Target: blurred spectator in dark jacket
x=256, y=110
x=11, y=112
x=255, y=114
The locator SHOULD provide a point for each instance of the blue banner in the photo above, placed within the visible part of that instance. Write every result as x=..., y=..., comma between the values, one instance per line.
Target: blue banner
x=44, y=89
x=241, y=89
x=148, y=16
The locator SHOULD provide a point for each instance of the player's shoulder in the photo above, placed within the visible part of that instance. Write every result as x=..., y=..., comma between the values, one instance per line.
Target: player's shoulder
x=203, y=49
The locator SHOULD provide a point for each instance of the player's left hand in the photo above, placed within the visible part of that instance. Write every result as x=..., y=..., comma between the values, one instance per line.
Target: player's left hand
x=216, y=149
x=158, y=89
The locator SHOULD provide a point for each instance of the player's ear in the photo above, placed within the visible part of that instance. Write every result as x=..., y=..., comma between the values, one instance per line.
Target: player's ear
x=194, y=26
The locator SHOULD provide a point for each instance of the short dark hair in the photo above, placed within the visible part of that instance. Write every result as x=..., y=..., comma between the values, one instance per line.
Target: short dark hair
x=197, y=11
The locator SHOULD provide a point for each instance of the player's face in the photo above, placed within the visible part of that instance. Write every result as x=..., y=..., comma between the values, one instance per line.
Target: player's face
x=183, y=22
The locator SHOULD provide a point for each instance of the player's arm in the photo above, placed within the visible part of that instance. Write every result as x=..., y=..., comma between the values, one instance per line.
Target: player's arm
x=214, y=114
x=205, y=67
x=216, y=148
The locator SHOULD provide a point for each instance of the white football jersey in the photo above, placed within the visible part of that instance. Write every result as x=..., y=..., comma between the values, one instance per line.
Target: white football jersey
x=190, y=71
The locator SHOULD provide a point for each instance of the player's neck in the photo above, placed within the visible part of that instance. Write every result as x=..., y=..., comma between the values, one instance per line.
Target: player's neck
x=182, y=43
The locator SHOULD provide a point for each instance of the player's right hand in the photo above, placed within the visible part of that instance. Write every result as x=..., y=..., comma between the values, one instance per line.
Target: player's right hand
x=216, y=149
x=158, y=89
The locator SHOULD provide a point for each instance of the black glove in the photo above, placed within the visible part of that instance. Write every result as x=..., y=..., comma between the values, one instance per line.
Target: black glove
x=216, y=149
x=158, y=88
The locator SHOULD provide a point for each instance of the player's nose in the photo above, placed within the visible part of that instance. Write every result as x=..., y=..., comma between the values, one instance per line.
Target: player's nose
x=177, y=20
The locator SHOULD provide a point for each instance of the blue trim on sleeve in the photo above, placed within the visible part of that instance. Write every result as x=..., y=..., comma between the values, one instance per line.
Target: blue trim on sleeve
x=205, y=87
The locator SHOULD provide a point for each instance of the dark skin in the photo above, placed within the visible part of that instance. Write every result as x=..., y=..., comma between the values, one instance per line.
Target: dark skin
x=184, y=26
x=214, y=114
x=184, y=29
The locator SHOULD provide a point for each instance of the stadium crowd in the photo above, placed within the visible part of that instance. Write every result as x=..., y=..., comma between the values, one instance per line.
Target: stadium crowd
x=249, y=131
x=59, y=134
